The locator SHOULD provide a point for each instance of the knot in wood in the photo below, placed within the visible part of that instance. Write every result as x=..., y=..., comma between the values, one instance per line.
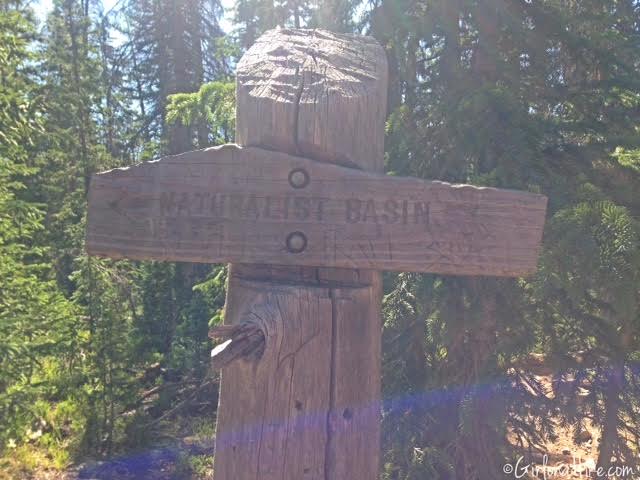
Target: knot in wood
x=245, y=340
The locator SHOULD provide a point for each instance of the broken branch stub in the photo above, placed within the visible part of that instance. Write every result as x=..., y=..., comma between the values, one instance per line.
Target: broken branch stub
x=245, y=340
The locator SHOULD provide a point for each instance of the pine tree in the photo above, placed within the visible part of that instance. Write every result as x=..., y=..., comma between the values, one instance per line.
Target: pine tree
x=36, y=321
x=173, y=48
x=74, y=148
x=526, y=95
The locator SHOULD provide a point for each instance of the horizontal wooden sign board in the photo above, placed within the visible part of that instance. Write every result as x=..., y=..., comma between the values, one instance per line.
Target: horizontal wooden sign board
x=248, y=205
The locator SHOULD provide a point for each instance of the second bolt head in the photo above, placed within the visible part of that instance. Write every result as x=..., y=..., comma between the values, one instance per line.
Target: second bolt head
x=298, y=178
x=296, y=242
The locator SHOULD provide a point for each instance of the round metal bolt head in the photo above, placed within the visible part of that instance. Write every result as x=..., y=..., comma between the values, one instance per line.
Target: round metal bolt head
x=296, y=242
x=298, y=178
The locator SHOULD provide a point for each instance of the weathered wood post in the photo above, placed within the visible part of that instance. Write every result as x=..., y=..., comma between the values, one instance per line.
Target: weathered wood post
x=303, y=214
x=309, y=407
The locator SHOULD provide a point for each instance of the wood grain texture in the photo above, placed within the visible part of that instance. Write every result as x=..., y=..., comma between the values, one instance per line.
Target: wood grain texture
x=309, y=407
x=316, y=94
x=272, y=419
x=281, y=109
x=354, y=417
x=233, y=204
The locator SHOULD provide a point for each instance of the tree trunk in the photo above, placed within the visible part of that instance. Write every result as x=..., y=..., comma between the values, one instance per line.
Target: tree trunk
x=612, y=404
x=178, y=134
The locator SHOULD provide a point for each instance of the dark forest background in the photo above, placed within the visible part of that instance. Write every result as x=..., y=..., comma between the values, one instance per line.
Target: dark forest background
x=101, y=358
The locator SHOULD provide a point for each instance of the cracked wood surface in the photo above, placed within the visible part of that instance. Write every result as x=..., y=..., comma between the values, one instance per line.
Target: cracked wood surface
x=309, y=407
x=314, y=94
x=315, y=415
x=237, y=204
x=272, y=418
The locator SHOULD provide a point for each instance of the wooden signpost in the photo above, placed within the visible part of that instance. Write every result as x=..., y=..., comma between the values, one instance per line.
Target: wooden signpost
x=301, y=210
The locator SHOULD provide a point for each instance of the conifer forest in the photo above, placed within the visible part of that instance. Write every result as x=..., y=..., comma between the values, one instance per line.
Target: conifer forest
x=105, y=365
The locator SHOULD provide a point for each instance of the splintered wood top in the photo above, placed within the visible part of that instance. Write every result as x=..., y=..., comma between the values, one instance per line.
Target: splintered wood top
x=315, y=94
x=248, y=205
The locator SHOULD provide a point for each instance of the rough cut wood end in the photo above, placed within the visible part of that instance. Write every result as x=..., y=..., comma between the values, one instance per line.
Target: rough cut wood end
x=314, y=93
